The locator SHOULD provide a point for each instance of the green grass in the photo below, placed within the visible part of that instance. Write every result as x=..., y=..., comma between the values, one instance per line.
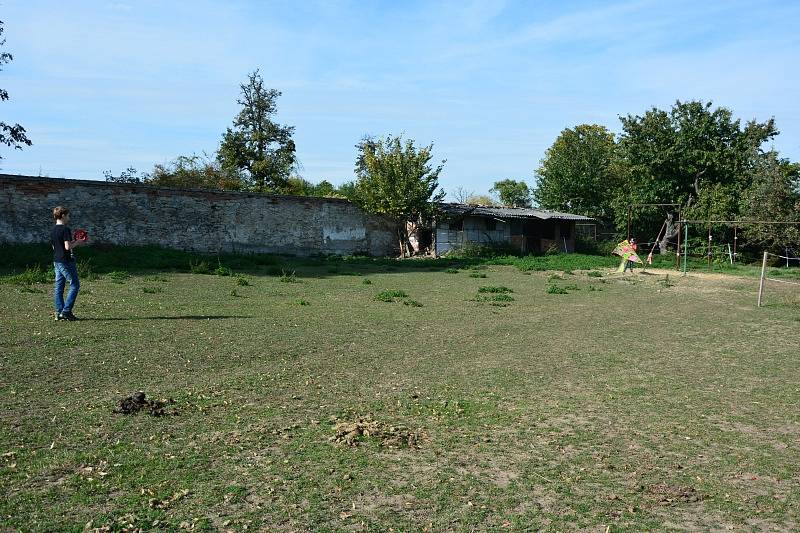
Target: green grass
x=635, y=407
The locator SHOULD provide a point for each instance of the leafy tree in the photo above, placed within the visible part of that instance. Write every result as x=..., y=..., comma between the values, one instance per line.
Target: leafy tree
x=512, y=193
x=774, y=195
x=195, y=172
x=11, y=135
x=301, y=187
x=396, y=179
x=257, y=147
x=480, y=199
x=129, y=175
x=578, y=173
x=693, y=154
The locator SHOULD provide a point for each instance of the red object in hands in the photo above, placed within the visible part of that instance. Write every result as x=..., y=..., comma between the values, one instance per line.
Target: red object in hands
x=81, y=235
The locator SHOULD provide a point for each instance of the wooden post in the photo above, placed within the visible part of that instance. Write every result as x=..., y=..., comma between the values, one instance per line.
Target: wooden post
x=709, y=246
x=761, y=282
x=735, y=240
x=678, y=247
x=685, y=246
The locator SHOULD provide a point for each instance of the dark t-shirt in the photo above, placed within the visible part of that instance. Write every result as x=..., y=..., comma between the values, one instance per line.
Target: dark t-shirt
x=58, y=235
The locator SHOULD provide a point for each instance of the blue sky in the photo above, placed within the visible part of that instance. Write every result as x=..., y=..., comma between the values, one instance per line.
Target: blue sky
x=107, y=85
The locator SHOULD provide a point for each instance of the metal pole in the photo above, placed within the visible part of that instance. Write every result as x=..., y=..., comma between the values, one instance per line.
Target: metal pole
x=761, y=283
x=709, y=246
x=678, y=247
x=735, y=240
x=685, y=246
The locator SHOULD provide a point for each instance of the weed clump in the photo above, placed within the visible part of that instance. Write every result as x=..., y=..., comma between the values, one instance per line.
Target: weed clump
x=412, y=303
x=30, y=276
x=451, y=271
x=594, y=274
x=301, y=301
x=390, y=295
x=242, y=281
x=138, y=402
x=85, y=271
x=477, y=275
x=222, y=270
x=494, y=289
x=367, y=281
x=118, y=276
x=555, y=289
x=152, y=290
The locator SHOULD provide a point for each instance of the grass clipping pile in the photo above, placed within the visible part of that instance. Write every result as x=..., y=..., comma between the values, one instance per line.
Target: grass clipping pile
x=353, y=433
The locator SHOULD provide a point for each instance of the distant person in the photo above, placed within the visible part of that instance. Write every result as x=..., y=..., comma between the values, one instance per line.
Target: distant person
x=64, y=264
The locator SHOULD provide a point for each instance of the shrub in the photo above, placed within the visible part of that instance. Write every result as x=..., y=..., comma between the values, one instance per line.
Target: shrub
x=118, y=276
x=493, y=289
x=412, y=303
x=30, y=276
x=390, y=295
x=501, y=297
x=302, y=302
x=555, y=289
x=242, y=281
x=199, y=268
x=367, y=281
x=223, y=271
x=287, y=277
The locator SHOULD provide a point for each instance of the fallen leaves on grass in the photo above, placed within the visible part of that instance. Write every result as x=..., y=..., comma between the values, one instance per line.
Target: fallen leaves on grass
x=672, y=494
x=388, y=436
x=165, y=503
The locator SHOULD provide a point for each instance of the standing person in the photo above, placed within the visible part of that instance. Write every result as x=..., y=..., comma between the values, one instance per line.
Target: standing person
x=630, y=264
x=64, y=264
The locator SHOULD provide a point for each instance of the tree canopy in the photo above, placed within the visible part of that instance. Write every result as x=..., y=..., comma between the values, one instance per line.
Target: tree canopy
x=258, y=148
x=11, y=135
x=512, y=193
x=394, y=178
x=578, y=174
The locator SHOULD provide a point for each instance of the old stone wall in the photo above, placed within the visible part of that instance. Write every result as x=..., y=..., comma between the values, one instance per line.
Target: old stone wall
x=188, y=219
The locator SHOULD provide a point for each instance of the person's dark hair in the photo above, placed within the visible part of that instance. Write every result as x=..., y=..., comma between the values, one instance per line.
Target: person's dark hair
x=59, y=212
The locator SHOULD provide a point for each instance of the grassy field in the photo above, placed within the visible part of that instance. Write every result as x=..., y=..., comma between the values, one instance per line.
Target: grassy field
x=368, y=395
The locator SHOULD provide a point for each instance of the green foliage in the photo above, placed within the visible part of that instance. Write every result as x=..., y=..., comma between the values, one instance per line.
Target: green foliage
x=578, y=173
x=557, y=262
x=451, y=271
x=412, y=303
x=774, y=195
x=31, y=275
x=366, y=281
x=256, y=147
x=152, y=290
x=118, y=276
x=477, y=275
x=555, y=289
x=390, y=295
x=11, y=135
x=85, y=271
x=196, y=172
x=222, y=270
x=480, y=199
x=242, y=281
x=302, y=302
x=493, y=289
x=396, y=179
x=594, y=274
x=512, y=193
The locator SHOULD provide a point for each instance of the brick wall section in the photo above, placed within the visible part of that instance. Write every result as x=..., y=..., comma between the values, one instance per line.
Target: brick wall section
x=188, y=219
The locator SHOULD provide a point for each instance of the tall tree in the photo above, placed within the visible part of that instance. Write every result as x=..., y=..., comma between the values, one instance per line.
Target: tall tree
x=512, y=193
x=578, y=173
x=774, y=195
x=11, y=135
x=256, y=146
x=693, y=154
x=396, y=179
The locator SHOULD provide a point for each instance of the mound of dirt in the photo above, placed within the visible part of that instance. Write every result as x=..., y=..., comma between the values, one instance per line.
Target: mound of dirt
x=352, y=433
x=672, y=494
x=138, y=401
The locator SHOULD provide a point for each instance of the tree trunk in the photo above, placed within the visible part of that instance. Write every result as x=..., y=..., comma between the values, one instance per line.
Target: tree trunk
x=670, y=233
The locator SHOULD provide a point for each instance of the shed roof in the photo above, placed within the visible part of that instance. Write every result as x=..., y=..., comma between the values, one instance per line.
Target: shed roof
x=507, y=212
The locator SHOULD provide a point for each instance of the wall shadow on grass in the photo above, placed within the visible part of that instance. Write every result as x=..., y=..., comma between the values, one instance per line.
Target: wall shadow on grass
x=180, y=317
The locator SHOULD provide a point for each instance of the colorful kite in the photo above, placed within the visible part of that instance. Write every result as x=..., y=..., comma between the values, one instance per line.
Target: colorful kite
x=627, y=252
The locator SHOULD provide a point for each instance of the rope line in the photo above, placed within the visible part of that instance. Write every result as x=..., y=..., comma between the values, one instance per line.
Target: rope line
x=785, y=257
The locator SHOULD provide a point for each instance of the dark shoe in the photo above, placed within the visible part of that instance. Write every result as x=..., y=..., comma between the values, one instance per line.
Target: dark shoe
x=59, y=317
x=67, y=315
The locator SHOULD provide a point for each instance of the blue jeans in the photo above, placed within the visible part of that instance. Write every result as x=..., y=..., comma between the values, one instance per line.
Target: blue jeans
x=66, y=272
